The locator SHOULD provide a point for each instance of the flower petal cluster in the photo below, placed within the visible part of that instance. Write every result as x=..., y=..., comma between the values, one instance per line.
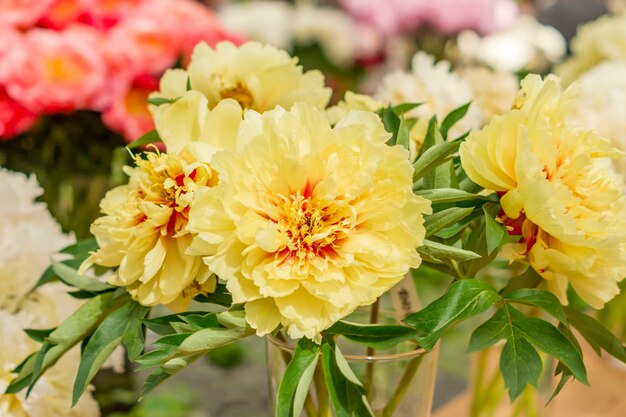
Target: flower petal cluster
x=309, y=221
x=493, y=91
x=28, y=236
x=67, y=55
x=144, y=227
x=259, y=77
x=445, y=16
x=602, y=105
x=558, y=193
x=602, y=40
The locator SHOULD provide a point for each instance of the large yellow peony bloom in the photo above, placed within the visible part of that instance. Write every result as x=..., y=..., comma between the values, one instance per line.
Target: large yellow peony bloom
x=558, y=191
x=259, y=77
x=144, y=229
x=308, y=221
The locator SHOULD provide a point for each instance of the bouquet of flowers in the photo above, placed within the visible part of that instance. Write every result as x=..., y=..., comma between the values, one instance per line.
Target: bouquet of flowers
x=270, y=214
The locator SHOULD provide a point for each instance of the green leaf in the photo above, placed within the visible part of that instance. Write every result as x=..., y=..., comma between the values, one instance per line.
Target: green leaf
x=74, y=329
x=188, y=83
x=520, y=364
x=436, y=252
x=444, y=218
x=148, y=138
x=400, y=109
x=155, y=379
x=566, y=375
x=103, y=342
x=294, y=386
x=547, y=338
x=542, y=299
x=71, y=277
x=448, y=195
x=495, y=232
x=346, y=392
x=220, y=296
x=433, y=157
x=392, y=123
x=79, y=252
x=465, y=298
x=207, y=339
x=377, y=336
x=598, y=337
x=529, y=279
x=403, y=138
x=38, y=335
x=491, y=332
x=452, y=118
x=157, y=101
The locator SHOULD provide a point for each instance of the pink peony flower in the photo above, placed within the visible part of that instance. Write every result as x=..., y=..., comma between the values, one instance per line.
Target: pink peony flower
x=57, y=71
x=128, y=113
x=22, y=13
x=61, y=13
x=391, y=17
x=484, y=16
x=201, y=24
x=143, y=43
x=388, y=17
x=105, y=14
x=14, y=118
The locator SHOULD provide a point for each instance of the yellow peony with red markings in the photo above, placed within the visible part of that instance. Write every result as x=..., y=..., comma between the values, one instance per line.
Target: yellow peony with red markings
x=558, y=191
x=309, y=221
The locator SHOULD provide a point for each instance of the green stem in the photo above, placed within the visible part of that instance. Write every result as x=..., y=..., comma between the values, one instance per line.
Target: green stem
x=323, y=404
x=487, y=393
x=403, y=386
x=369, y=371
x=309, y=405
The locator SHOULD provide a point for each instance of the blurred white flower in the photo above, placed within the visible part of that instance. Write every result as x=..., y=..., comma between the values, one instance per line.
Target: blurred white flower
x=493, y=91
x=332, y=29
x=283, y=25
x=264, y=21
x=28, y=236
x=51, y=396
x=602, y=104
x=527, y=45
x=438, y=89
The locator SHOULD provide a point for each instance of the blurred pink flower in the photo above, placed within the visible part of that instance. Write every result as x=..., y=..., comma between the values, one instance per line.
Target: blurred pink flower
x=61, y=13
x=14, y=118
x=22, y=13
x=201, y=24
x=128, y=113
x=56, y=71
x=484, y=16
x=391, y=17
x=387, y=17
x=105, y=14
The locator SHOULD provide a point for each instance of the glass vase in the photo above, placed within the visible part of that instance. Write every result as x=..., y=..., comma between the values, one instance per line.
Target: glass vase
x=400, y=381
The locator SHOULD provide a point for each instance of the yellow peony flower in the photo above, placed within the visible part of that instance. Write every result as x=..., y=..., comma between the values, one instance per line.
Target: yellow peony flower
x=144, y=229
x=309, y=221
x=352, y=101
x=259, y=77
x=558, y=192
x=602, y=40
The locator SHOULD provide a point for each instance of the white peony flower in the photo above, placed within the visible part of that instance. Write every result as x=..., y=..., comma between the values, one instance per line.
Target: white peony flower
x=263, y=21
x=28, y=236
x=527, y=44
x=493, y=91
x=602, y=104
x=438, y=89
x=51, y=396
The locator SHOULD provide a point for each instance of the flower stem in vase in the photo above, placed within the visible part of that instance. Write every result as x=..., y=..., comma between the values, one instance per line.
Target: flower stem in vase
x=402, y=387
x=369, y=373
